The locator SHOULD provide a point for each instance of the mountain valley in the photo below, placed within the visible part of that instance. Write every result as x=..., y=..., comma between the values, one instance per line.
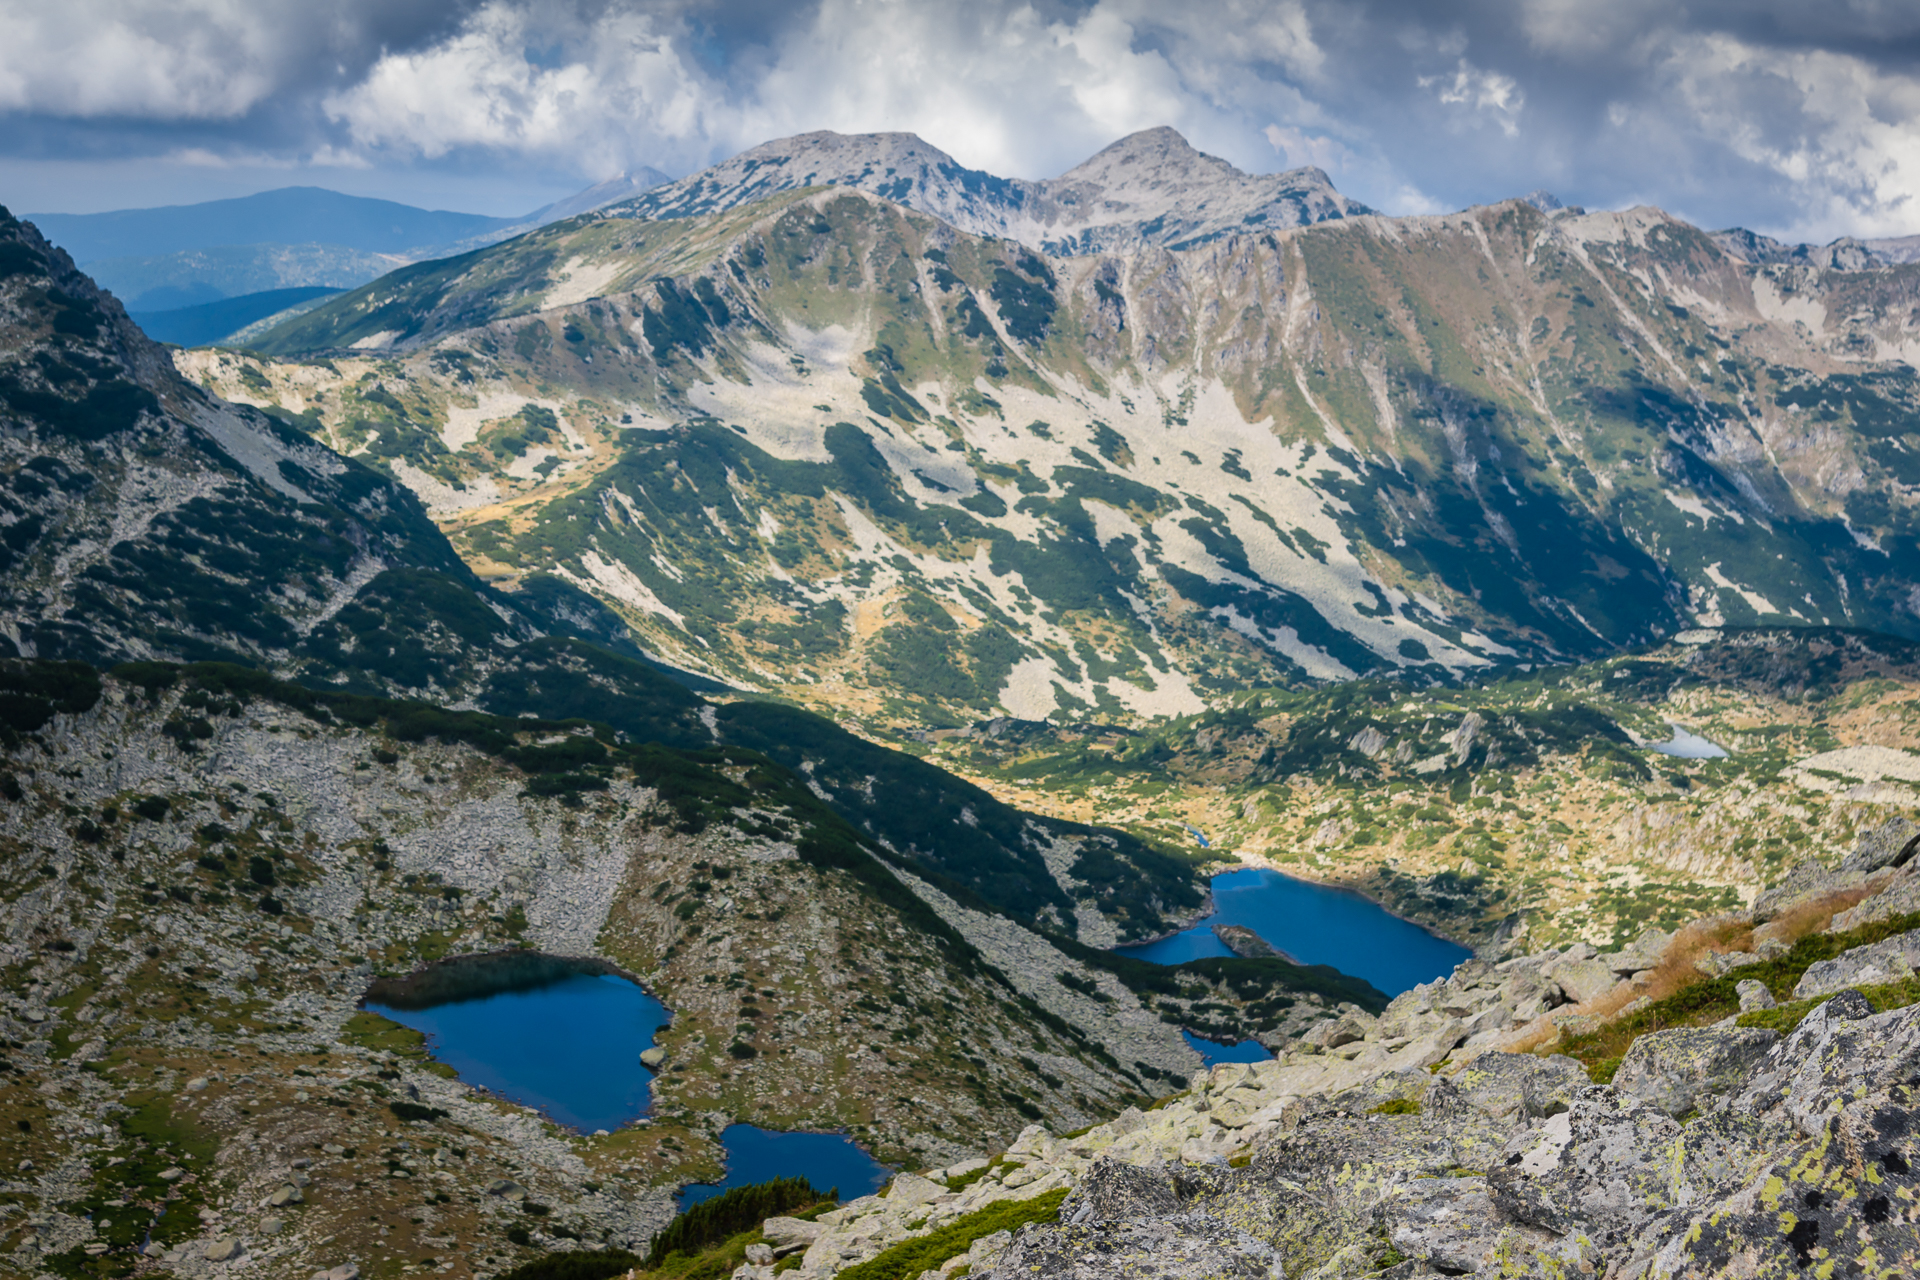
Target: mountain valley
x=851, y=595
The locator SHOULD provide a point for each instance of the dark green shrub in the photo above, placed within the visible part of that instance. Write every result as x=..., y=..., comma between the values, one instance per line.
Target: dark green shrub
x=728, y=1214
x=571, y=1266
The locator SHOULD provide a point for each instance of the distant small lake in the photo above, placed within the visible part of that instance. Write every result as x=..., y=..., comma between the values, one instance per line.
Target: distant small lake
x=1689, y=746
x=827, y=1160
x=537, y=1030
x=1315, y=925
x=1213, y=1053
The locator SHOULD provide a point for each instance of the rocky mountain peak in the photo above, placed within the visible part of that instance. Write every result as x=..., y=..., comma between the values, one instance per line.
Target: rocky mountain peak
x=1151, y=187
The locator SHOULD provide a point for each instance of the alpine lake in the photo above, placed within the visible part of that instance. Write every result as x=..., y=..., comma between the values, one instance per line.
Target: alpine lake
x=564, y=1036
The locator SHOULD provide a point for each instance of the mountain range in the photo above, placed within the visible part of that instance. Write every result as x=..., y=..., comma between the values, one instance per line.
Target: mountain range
x=940, y=475
x=493, y=608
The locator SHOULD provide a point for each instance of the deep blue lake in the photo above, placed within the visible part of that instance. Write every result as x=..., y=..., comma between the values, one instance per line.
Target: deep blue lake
x=827, y=1160
x=570, y=1048
x=1314, y=925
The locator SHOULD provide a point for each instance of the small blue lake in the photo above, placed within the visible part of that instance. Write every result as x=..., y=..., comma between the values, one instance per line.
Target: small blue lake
x=827, y=1160
x=1213, y=1052
x=1315, y=925
x=568, y=1046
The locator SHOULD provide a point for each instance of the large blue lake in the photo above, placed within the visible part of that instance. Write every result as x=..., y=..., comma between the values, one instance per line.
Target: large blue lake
x=1314, y=925
x=568, y=1047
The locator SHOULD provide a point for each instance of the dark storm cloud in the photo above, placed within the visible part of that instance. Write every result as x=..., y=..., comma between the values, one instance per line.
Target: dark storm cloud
x=1789, y=117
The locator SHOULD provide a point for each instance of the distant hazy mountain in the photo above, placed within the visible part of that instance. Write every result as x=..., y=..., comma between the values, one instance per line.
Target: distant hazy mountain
x=291, y=215
x=296, y=237
x=1149, y=188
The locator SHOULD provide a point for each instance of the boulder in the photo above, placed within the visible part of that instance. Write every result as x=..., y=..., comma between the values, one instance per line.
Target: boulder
x=1753, y=995
x=1844, y=1202
x=909, y=1189
x=1804, y=883
x=1642, y=954
x=1350, y=1027
x=1111, y=1190
x=789, y=1235
x=1582, y=979
x=1841, y=1051
x=760, y=1255
x=1900, y=897
x=1686, y=1069
x=652, y=1058
x=1885, y=961
x=1179, y=1247
x=1449, y=1223
x=221, y=1250
x=1515, y=1087
x=1891, y=844
x=1589, y=1169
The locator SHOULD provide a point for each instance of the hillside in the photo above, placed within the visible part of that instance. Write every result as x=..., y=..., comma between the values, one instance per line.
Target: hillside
x=935, y=477
x=149, y=520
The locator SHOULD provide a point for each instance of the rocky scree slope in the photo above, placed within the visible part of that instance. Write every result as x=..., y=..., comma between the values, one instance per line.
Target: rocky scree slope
x=942, y=476
x=1150, y=187
x=141, y=518
x=1411, y=1145
x=205, y=868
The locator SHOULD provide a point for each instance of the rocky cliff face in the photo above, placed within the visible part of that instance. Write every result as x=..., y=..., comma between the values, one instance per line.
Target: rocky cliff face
x=1151, y=187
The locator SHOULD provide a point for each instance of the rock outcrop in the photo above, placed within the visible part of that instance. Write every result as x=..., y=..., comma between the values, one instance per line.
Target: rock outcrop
x=1716, y=1152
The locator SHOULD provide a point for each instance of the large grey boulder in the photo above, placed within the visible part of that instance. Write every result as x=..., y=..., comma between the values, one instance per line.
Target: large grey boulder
x=1687, y=1069
x=1886, y=961
x=1843, y=1203
x=1583, y=979
x=1590, y=1169
x=1891, y=844
x=1186, y=1246
x=1448, y=1222
x=1112, y=1189
x=1513, y=1088
x=1643, y=953
x=1841, y=1051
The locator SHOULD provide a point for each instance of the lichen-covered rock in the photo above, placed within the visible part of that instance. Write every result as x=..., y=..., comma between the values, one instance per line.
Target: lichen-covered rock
x=1583, y=980
x=1891, y=844
x=1753, y=995
x=1449, y=1222
x=1185, y=1246
x=1884, y=961
x=1685, y=1069
x=1589, y=1169
x=1843, y=1203
x=1111, y=1190
x=1841, y=1051
x=1517, y=1087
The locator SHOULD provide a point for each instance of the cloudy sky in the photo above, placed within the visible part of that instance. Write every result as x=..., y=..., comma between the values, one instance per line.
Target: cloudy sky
x=1786, y=116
